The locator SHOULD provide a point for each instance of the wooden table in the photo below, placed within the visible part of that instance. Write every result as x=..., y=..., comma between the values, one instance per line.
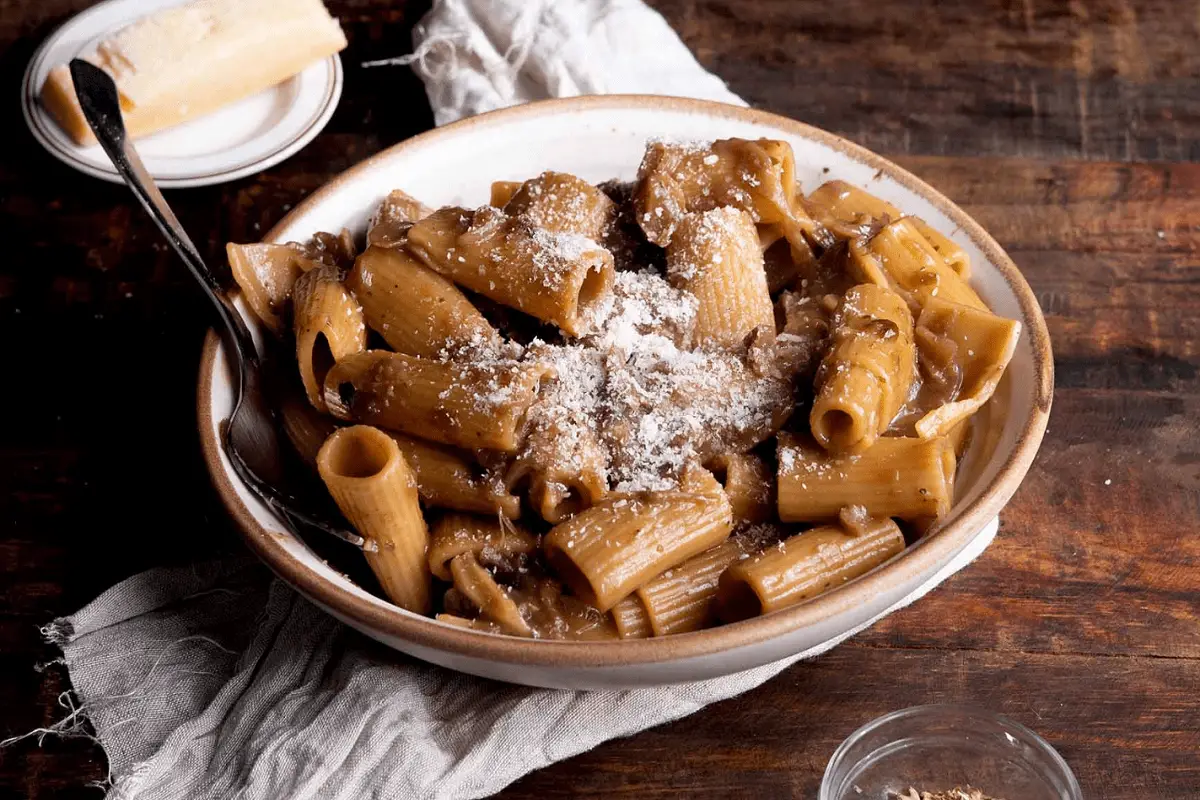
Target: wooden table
x=1069, y=129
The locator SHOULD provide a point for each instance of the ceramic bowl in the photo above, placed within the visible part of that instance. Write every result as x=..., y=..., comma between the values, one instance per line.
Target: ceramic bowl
x=599, y=138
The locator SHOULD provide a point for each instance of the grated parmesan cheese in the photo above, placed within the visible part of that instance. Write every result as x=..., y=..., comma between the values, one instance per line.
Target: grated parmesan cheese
x=631, y=385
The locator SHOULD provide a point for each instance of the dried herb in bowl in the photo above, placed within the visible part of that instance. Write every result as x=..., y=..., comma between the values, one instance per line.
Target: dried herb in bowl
x=957, y=793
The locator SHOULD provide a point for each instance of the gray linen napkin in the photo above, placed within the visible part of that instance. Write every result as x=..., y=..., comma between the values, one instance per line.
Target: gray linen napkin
x=219, y=681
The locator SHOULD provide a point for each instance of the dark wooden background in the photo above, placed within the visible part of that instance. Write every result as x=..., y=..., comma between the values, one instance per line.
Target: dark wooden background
x=1070, y=129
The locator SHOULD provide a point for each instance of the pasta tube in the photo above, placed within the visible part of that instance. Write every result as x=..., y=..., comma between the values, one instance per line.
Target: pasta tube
x=867, y=374
x=373, y=486
x=953, y=255
x=758, y=177
x=631, y=619
x=540, y=603
x=899, y=257
x=970, y=349
x=561, y=203
x=906, y=478
x=607, y=551
x=748, y=483
x=555, y=493
x=469, y=405
x=502, y=192
x=681, y=599
x=335, y=250
x=480, y=588
x=805, y=566
x=562, y=465
x=554, y=615
x=715, y=256
x=388, y=226
x=555, y=277
x=413, y=308
x=448, y=478
x=837, y=203
x=266, y=273
x=478, y=585
x=486, y=539
x=328, y=323
x=557, y=500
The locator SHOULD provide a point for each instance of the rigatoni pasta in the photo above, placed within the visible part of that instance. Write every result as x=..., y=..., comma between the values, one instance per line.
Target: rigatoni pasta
x=266, y=274
x=681, y=599
x=374, y=487
x=305, y=427
x=631, y=619
x=488, y=540
x=841, y=206
x=901, y=477
x=758, y=177
x=414, y=309
x=714, y=255
x=562, y=468
x=900, y=258
x=950, y=252
x=748, y=483
x=868, y=373
x=328, y=323
x=388, y=226
x=838, y=202
x=448, y=477
x=502, y=192
x=620, y=409
x=460, y=403
x=556, y=277
x=480, y=587
x=561, y=203
x=969, y=349
x=804, y=566
x=607, y=551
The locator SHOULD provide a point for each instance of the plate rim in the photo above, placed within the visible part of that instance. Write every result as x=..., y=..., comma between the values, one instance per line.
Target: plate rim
x=37, y=119
x=924, y=558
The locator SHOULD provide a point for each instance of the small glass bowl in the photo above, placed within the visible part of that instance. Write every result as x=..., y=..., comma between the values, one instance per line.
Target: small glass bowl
x=938, y=747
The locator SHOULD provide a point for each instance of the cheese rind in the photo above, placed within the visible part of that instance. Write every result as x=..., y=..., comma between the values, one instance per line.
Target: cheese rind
x=181, y=63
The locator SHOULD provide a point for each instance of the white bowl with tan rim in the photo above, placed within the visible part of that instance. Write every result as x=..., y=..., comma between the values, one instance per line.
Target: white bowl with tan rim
x=599, y=138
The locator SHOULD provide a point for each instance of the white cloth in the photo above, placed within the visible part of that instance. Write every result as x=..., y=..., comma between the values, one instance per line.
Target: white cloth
x=221, y=682
x=214, y=683
x=480, y=55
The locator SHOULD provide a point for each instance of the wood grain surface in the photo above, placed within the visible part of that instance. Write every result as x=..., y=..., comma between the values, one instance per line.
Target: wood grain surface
x=1070, y=129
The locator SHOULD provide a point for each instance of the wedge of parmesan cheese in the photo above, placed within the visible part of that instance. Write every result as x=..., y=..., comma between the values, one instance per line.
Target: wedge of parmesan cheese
x=181, y=63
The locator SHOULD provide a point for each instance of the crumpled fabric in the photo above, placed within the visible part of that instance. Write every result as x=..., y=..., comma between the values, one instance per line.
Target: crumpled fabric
x=219, y=681
x=480, y=55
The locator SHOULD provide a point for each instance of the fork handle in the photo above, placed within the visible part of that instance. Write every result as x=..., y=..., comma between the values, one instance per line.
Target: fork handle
x=101, y=107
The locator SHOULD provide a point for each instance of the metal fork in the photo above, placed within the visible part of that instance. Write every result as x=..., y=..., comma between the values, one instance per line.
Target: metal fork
x=251, y=438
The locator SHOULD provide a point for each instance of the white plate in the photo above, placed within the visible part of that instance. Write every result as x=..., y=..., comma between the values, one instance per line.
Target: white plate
x=599, y=138
x=238, y=140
